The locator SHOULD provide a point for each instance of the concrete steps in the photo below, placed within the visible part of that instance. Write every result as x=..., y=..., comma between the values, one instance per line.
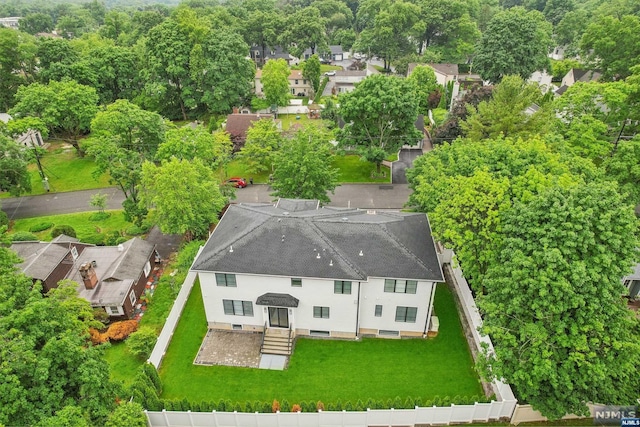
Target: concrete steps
x=276, y=343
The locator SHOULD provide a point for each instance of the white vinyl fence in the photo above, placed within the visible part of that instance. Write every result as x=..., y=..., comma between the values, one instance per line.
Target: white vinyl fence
x=478, y=412
x=502, y=409
x=172, y=320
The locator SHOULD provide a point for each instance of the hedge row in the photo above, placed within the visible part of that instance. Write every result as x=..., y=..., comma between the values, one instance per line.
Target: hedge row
x=225, y=405
x=147, y=388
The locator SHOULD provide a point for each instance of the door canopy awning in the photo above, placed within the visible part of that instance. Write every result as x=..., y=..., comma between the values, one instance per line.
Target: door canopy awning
x=277, y=300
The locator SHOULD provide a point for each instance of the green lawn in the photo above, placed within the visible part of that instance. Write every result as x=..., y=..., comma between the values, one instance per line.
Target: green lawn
x=290, y=119
x=65, y=171
x=328, y=370
x=81, y=223
x=353, y=169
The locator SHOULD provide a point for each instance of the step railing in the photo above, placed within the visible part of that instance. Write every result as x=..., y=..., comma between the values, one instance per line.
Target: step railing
x=264, y=334
x=289, y=342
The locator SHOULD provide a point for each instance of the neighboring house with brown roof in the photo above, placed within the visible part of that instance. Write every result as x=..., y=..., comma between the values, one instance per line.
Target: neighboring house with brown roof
x=277, y=52
x=109, y=277
x=237, y=125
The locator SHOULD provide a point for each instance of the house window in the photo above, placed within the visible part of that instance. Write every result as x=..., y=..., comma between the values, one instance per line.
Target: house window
x=406, y=314
x=74, y=253
x=321, y=312
x=400, y=286
x=304, y=82
x=147, y=269
x=113, y=309
x=296, y=282
x=132, y=298
x=378, y=310
x=237, y=307
x=293, y=91
x=296, y=81
x=341, y=287
x=228, y=280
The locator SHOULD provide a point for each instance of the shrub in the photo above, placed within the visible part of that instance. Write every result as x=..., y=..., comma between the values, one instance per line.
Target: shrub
x=348, y=406
x=248, y=406
x=100, y=315
x=275, y=406
x=152, y=374
x=141, y=342
x=371, y=404
x=96, y=337
x=266, y=407
x=296, y=408
x=94, y=239
x=4, y=219
x=222, y=406
x=118, y=331
x=99, y=216
x=35, y=228
x=359, y=405
x=319, y=406
x=63, y=229
x=134, y=230
x=23, y=236
x=237, y=407
x=285, y=405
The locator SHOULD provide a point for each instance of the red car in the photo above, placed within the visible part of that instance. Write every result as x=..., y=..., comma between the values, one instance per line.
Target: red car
x=236, y=182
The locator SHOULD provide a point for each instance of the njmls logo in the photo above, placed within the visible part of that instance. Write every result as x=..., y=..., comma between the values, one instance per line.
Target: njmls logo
x=613, y=415
x=630, y=422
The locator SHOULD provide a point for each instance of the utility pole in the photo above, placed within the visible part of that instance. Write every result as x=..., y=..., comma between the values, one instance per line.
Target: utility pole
x=45, y=180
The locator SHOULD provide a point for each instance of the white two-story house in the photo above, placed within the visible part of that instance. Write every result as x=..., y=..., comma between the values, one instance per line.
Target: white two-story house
x=319, y=271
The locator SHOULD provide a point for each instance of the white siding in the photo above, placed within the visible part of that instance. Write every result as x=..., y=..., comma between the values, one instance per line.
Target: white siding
x=373, y=294
x=314, y=292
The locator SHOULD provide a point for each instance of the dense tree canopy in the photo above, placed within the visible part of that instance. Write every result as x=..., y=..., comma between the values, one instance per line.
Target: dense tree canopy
x=275, y=82
x=303, y=166
x=380, y=117
x=185, y=195
x=564, y=336
x=14, y=176
x=47, y=359
x=515, y=42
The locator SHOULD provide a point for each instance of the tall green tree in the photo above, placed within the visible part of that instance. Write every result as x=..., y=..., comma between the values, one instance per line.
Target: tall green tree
x=563, y=335
x=311, y=72
x=185, y=195
x=261, y=149
x=17, y=64
x=187, y=143
x=425, y=83
x=506, y=112
x=65, y=107
x=303, y=166
x=304, y=28
x=123, y=137
x=47, y=359
x=380, y=117
x=37, y=22
x=515, y=42
x=275, y=82
x=466, y=187
x=612, y=45
x=14, y=176
x=127, y=415
x=262, y=29
x=624, y=166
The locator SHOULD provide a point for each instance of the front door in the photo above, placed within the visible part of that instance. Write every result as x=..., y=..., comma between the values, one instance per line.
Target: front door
x=278, y=317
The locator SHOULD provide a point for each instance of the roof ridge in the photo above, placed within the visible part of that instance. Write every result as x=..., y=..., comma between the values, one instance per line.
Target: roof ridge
x=120, y=258
x=41, y=253
x=325, y=239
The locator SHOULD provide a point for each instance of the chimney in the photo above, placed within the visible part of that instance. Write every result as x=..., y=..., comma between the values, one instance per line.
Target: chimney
x=235, y=110
x=89, y=276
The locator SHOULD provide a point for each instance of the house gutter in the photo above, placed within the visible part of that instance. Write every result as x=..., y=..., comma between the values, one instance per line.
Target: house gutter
x=426, y=323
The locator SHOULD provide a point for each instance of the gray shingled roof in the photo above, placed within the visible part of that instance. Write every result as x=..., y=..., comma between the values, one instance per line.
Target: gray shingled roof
x=39, y=258
x=279, y=300
x=321, y=243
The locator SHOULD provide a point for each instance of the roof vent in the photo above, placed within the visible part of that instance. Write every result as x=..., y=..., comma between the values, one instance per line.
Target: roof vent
x=344, y=218
x=331, y=263
x=120, y=247
x=283, y=237
x=361, y=254
x=230, y=249
x=318, y=256
x=285, y=213
x=371, y=211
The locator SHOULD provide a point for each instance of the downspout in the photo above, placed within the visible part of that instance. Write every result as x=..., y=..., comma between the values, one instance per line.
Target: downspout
x=358, y=311
x=426, y=323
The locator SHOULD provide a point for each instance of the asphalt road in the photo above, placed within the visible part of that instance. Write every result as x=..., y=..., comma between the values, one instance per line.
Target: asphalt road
x=405, y=161
x=365, y=196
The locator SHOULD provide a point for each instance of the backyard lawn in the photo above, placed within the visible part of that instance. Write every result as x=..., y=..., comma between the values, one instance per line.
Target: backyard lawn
x=328, y=370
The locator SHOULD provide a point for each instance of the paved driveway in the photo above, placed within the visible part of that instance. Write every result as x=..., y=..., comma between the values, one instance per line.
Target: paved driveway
x=405, y=161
